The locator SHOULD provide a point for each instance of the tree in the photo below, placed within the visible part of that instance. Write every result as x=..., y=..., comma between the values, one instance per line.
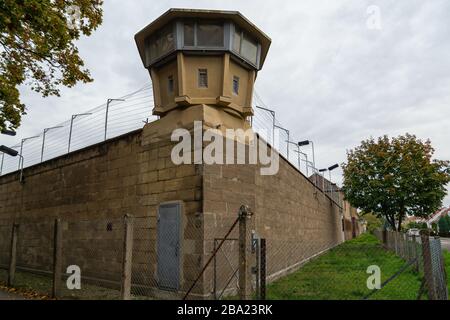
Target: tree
x=37, y=49
x=444, y=225
x=373, y=222
x=395, y=177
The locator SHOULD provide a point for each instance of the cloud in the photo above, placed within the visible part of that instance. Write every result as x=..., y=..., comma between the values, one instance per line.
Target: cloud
x=328, y=77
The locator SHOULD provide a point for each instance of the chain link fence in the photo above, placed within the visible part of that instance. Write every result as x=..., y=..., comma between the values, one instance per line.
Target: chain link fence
x=151, y=257
x=425, y=254
x=161, y=257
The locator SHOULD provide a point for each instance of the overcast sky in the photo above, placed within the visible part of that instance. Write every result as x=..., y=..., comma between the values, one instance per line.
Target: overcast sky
x=331, y=76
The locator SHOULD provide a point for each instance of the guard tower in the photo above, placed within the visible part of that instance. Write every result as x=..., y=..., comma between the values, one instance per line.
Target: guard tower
x=204, y=58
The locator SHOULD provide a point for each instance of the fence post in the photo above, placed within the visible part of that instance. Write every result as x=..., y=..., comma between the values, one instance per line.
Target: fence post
x=13, y=255
x=127, y=257
x=427, y=266
x=57, y=258
x=244, y=245
x=257, y=270
x=415, y=253
x=262, y=273
x=384, y=237
x=215, y=273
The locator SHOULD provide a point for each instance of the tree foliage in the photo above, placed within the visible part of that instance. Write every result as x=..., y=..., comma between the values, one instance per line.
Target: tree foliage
x=37, y=48
x=444, y=225
x=373, y=222
x=395, y=177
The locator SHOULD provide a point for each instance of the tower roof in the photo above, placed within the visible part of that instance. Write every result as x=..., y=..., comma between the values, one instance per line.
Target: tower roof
x=175, y=13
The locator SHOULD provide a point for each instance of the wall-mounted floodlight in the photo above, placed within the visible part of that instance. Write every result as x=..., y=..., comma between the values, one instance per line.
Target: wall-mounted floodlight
x=333, y=167
x=107, y=112
x=8, y=132
x=13, y=153
x=43, y=139
x=74, y=116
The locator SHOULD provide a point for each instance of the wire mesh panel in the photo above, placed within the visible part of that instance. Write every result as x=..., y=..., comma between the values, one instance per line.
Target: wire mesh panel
x=5, y=243
x=34, y=264
x=226, y=268
x=93, y=249
x=438, y=269
x=144, y=284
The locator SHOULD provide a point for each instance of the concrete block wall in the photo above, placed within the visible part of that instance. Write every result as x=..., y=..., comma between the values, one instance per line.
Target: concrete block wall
x=133, y=174
x=98, y=185
x=298, y=220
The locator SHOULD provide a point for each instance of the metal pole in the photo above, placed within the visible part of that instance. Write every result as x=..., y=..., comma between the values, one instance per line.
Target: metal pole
x=314, y=162
x=323, y=181
x=331, y=185
x=43, y=143
x=71, y=126
x=21, y=168
x=107, y=112
x=21, y=148
x=70, y=132
x=273, y=130
x=273, y=122
x=287, y=144
x=43, y=140
x=1, y=167
x=106, y=117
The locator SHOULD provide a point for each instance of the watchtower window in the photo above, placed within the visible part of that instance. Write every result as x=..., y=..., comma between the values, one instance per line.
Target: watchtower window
x=170, y=84
x=210, y=34
x=203, y=78
x=236, y=85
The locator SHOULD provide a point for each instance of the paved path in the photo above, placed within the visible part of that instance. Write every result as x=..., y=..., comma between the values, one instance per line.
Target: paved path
x=10, y=296
x=445, y=243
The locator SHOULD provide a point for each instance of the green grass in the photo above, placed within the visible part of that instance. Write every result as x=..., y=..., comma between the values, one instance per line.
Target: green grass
x=341, y=274
x=447, y=266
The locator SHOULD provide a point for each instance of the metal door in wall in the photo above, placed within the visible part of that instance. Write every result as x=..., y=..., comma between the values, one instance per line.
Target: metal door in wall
x=169, y=216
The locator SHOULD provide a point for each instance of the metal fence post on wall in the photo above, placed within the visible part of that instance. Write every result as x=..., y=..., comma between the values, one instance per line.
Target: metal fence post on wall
x=244, y=245
x=127, y=258
x=57, y=258
x=13, y=255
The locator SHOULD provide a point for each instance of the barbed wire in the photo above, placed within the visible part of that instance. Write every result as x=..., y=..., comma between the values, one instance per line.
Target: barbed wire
x=129, y=114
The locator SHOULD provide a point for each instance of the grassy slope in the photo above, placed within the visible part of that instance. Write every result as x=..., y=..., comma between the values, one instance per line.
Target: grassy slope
x=447, y=266
x=341, y=274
